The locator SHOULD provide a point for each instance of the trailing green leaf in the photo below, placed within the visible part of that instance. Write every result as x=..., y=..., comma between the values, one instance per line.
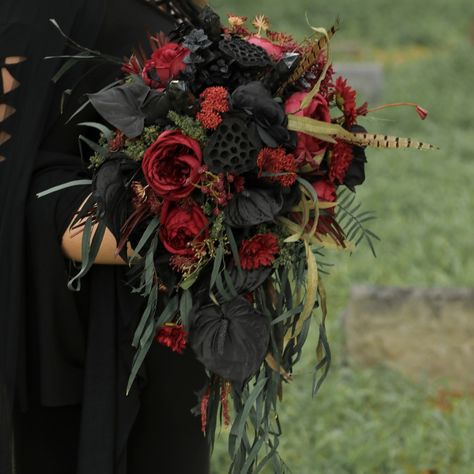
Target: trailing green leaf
x=354, y=222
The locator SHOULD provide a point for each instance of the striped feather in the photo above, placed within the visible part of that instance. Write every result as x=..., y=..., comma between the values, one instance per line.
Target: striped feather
x=377, y=140
x=310, y=58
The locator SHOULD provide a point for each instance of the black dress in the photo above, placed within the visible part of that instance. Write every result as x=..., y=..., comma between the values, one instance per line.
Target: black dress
x=71, y=412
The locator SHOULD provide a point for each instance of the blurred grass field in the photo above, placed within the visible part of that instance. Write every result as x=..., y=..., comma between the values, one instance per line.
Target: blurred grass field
x=374, y=421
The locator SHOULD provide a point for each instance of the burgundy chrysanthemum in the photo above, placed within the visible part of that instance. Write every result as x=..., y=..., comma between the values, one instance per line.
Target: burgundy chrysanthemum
x=342, y=156
x=276, y=160
x=346, y=100
x=173, y=336
x=259, y=251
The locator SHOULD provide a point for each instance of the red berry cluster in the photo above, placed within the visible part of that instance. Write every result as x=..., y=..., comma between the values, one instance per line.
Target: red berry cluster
x=277, y=161
x=214, y=102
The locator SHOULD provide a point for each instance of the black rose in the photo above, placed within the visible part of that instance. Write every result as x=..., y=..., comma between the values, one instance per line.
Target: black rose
x=269, y=115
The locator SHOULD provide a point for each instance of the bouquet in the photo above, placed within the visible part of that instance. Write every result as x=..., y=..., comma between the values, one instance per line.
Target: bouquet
x=225, y=168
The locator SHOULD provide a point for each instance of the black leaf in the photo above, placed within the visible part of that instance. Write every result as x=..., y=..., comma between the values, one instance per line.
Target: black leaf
x=247, y=281
x=122, y=106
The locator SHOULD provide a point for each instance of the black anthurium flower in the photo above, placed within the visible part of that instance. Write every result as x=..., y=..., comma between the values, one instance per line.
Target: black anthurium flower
x=231, y=340
x=355, y=174
x=253, y=206
x=110, y=192
x=269, y=115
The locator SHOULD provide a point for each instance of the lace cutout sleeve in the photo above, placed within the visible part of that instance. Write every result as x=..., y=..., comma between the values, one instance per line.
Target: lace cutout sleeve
x=9, y=86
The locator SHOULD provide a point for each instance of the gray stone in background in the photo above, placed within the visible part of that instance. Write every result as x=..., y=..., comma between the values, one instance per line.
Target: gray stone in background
x=427, y=334
x=366, y=78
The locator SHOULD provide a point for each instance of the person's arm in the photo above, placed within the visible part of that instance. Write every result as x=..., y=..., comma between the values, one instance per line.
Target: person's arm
x=72, y=247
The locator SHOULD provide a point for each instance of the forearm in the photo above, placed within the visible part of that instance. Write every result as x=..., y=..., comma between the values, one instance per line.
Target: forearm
x=72, y=247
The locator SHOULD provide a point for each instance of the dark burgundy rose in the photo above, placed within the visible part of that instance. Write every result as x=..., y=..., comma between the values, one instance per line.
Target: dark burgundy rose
x=317, y=109
x=171, y=165
x=165, y=64
x=182, y=226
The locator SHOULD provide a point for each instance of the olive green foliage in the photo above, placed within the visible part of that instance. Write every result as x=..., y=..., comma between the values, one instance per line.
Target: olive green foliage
x=374, y=421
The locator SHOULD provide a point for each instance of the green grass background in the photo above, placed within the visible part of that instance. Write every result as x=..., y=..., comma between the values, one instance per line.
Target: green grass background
x=373, y=420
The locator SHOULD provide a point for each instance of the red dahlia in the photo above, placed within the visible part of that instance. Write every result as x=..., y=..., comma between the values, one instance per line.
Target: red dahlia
x=259, y=251
x=173, y=336
x=341, y=159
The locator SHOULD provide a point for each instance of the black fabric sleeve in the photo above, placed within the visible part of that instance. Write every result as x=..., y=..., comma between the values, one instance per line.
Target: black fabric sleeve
x=25, y=32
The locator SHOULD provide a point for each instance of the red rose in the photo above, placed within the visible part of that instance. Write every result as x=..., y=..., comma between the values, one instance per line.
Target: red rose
x=259, y=251
x=171, y=165
x=318, y=109
x=182, y=226
x=325, y=190
x=165, y=64
x=272, y=49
